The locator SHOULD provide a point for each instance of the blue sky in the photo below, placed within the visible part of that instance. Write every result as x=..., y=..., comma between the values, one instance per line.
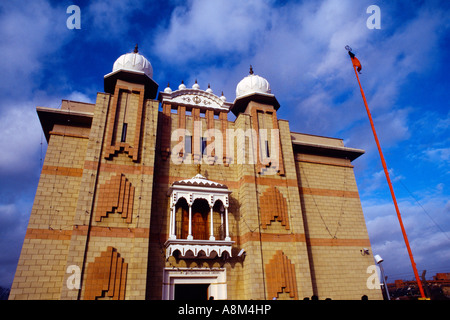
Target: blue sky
x=298, y=46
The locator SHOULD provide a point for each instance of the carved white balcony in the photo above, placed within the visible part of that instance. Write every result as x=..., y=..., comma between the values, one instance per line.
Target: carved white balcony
x=198, y=219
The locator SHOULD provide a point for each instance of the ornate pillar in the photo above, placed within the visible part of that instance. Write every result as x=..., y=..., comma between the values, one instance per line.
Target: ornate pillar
x=171, y=222
x=211, y=231
x=227, y=236
x=172, y=233
x=189, y=237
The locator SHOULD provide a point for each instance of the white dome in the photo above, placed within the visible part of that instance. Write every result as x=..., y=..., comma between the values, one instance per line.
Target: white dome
x=182, y=86
x=168, y=89
x=135, y=62
x=196, y=85
x=251, y=84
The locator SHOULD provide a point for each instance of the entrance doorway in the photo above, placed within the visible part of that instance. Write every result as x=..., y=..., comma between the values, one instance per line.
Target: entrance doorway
x=191, y=291
x=194, y=283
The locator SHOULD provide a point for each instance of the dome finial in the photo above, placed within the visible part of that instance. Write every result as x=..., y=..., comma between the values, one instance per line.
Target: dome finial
x=136, y=48
x=251, y=69
x=196, y=85
x=167, y=89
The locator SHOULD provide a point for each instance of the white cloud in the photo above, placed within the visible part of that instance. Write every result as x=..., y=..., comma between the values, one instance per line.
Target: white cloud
x=80, y=97
x=207, y=29
x=111, y=19
x=19, y=139
x=440, y=156
x=29, y=33
x=427, y=225
x=376, y=181
x=13, y=223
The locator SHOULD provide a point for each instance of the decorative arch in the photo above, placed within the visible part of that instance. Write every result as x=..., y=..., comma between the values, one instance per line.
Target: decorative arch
x=273, y=207
x=219, y=219
x=181, y=217
x=200, y=213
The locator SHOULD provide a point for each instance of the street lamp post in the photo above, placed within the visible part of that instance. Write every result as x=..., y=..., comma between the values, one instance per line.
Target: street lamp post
x=379, y=260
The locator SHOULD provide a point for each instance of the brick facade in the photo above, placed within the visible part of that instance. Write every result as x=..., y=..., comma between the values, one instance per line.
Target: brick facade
x=102, y=203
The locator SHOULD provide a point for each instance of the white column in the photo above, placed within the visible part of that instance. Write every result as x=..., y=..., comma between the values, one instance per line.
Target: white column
x=227, y=236
x=222, y=224
x=171, y=224
x=211, y=231
x=173, y=234
x=189, y=237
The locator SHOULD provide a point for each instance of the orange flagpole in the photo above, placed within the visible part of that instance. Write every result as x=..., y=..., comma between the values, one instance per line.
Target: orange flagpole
x=386, y=172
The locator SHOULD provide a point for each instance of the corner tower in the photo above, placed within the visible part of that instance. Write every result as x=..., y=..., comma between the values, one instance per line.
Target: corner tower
x=271, y=224
x=254, y=98
x=89, y=228
x=111, y=224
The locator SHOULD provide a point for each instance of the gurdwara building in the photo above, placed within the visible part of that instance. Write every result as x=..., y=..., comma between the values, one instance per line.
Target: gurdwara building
x=158, y=195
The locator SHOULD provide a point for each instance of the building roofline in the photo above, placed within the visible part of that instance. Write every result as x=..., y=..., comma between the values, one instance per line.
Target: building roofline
x=51, y=116
x=327, y=150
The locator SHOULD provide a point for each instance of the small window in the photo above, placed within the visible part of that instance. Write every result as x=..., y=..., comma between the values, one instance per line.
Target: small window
x=204, y=141
x=123, y=137
x=188, y=144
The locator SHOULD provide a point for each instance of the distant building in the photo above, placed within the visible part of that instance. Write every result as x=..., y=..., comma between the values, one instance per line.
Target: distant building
x=436, y=289
x=442, y=277
x=158, y=195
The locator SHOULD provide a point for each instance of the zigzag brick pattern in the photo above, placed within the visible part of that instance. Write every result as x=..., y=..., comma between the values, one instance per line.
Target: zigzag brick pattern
x=116, y=195
x=273, y=207
x=281, y=276
x=106, y=276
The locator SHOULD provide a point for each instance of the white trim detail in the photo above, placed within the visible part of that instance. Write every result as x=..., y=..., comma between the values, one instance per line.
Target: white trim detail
x=195, y=98
x=190, y=248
